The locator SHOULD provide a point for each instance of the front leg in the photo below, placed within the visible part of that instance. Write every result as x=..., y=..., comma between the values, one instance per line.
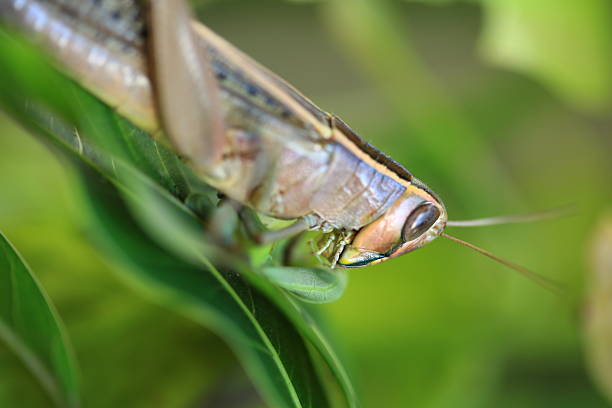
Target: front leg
x=186, y=90
x=263, y=236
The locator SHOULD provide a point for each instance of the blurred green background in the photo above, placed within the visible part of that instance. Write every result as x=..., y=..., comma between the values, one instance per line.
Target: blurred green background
x=499, y=106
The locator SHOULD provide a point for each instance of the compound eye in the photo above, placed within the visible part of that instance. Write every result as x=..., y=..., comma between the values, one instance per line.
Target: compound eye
x=419, y=221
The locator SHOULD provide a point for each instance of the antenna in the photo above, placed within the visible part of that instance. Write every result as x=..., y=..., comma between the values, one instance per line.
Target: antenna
x=541, y=280
x=563, y=211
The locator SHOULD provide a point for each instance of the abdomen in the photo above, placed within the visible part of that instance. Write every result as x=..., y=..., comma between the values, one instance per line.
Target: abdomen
x=273, y=161
x=99, y=43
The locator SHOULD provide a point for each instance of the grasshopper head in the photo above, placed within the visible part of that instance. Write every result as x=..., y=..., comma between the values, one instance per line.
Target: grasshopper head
x=415, y=219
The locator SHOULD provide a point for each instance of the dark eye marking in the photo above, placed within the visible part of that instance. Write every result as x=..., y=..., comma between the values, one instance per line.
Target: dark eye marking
x=419, y=221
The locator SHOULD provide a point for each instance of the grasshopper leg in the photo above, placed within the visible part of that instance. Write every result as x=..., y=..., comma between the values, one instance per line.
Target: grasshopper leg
x=275, y=235
x=262, y=236
x=224, y=221
x=186, y=90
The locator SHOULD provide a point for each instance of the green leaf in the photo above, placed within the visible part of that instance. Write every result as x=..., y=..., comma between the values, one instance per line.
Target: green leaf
x=178, y=231
x=30, y=325
x=162, y=240
x=272, y=351
x=565, y=44
x=315, y=285
x=170, y=222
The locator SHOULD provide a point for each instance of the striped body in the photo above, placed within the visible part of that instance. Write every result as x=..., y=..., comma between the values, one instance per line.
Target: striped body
x=282, y=156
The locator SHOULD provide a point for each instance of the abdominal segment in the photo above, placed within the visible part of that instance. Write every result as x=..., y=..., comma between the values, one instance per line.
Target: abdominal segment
x=276, y=168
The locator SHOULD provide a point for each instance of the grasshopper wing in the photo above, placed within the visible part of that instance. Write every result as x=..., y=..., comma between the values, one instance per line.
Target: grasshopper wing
x=187, y=93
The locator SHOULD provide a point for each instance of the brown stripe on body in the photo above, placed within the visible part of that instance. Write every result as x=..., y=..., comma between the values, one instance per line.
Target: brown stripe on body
x=282, y=156
x=367, y=149
x=353, y=193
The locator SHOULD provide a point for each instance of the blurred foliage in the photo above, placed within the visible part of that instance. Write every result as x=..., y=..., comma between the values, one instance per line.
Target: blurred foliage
x=599, y=307
x=440, y=327
x=30, y=326
x=567, y=45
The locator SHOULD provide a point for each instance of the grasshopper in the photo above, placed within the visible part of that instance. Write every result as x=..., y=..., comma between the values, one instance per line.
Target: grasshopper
x=242, y=129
